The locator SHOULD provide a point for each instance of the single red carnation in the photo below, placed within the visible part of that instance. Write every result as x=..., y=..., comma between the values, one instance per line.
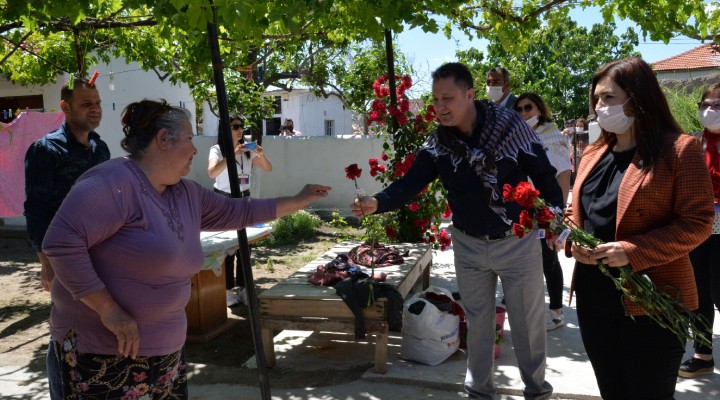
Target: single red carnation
x=526, y=195
x=381, y=168
x=352, y=171
x=390, y=231
x=373, y=161
x=544, y=216
x=518, y=230
x=384, y=157
x=525, y=219
x=414, y=206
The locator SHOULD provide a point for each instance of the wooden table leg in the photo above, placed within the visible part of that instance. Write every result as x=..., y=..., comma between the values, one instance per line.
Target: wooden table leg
x=426, y=276
x=381, y=344
x=268, y=346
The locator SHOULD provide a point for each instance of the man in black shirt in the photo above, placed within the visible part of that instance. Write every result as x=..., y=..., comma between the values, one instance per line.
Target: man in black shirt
x=478, y=147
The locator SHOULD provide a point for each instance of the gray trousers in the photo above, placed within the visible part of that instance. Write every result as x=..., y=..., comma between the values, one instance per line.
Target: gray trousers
x=518, y=263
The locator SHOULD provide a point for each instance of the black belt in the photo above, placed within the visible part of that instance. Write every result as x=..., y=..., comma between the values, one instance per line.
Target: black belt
x=499, y=236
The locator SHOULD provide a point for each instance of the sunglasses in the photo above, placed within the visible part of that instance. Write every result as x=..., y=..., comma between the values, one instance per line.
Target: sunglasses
x=526, y=107
x=705, y=105
x=236, y=127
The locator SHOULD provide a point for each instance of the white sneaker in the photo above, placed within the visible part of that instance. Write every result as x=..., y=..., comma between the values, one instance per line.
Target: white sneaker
x=231, y=298
x=555, y=320
x=241, y=295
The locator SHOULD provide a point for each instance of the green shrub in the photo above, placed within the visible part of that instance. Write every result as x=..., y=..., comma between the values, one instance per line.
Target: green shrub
x=683, y=105
x=295, y=227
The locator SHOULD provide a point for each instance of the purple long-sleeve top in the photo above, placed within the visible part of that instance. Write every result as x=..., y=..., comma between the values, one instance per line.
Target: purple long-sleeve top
x=115, y=231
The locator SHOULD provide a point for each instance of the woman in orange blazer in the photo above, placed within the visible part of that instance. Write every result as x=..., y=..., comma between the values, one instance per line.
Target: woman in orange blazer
x=642, y=188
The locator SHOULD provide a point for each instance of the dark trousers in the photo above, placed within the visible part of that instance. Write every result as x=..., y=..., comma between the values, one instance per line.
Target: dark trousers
x=553, y=276
x=233, y=266
x=706, y=263
x=632, y=360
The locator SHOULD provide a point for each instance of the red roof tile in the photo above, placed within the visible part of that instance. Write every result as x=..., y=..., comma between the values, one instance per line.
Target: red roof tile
x=701, y=57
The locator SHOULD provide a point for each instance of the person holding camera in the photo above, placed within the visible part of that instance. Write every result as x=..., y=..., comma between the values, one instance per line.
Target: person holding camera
x=288, y=129
x=246, y=155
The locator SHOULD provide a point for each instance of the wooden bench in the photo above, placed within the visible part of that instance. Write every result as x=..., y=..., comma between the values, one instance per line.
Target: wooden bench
x=296, y=304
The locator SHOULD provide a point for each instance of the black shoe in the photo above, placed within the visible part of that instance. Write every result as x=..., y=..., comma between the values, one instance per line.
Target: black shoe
x=695, y=367
x=456, y=296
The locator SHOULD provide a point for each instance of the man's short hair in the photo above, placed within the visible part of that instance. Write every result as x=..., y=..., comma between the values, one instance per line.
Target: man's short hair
x=66, y=93
x=459, y=72
x=501, y=70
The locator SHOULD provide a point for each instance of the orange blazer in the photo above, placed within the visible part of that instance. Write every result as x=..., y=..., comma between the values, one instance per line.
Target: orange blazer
x=662, y=214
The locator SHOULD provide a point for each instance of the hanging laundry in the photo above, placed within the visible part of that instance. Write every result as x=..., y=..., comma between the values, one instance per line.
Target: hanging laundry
x=15, y=138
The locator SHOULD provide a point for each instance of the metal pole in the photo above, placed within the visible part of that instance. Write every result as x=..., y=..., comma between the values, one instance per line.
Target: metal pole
x=390, y=57
x=227, y=148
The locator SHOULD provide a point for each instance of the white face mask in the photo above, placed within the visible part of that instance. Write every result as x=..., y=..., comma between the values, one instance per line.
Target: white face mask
x=532, y=121
x=710, y=119
x=579, y=130
x=495, y=93
x=613, y=119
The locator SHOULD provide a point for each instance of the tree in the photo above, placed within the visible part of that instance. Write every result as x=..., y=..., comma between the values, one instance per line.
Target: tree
x=558, y=64
x=170, y=35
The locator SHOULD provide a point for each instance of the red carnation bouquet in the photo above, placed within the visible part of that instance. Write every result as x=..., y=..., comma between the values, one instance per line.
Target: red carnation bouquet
x=660, y=304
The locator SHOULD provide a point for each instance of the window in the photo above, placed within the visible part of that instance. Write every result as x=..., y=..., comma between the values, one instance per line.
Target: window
x=8, y=105
x=329, y=127
x=277, y=103
x=272, y=126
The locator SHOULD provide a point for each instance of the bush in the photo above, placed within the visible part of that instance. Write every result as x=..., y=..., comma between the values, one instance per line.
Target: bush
x=683, y=100
x=295, y=227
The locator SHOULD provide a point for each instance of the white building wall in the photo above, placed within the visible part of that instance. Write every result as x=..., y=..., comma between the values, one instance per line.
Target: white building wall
x=50, y=92
x=131, y=84
x=307, y=111
x=314, y=111
x=688, y=74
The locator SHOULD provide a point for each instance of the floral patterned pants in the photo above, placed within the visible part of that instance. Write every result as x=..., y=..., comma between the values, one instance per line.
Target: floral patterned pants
x=99, y=376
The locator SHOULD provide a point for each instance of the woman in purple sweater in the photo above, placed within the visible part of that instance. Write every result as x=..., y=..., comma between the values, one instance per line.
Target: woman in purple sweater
x=125, y=245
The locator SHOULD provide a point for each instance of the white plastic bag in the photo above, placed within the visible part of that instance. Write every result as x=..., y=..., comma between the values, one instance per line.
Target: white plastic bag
x=431, y=336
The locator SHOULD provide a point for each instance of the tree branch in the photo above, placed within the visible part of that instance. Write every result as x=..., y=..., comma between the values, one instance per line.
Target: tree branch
x=15, y=47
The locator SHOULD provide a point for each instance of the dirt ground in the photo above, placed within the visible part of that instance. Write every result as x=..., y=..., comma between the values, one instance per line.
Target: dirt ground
x=25, y=308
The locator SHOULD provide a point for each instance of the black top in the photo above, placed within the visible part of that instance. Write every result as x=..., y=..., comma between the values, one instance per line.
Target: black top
x=471, y=213
x=599, y=212
x=600, y=193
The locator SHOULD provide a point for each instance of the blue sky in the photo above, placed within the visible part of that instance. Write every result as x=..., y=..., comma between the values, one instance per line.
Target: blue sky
x=428, y=51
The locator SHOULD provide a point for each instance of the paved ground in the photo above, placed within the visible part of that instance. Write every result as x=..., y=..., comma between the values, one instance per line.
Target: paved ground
x=568, y=369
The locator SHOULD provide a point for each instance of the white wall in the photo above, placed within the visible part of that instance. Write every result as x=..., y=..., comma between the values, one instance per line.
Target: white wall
x=687, y=74
x=131, y=84
x=50, y=92
x=307, y=111
x=313, y=111
x=300, y=160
